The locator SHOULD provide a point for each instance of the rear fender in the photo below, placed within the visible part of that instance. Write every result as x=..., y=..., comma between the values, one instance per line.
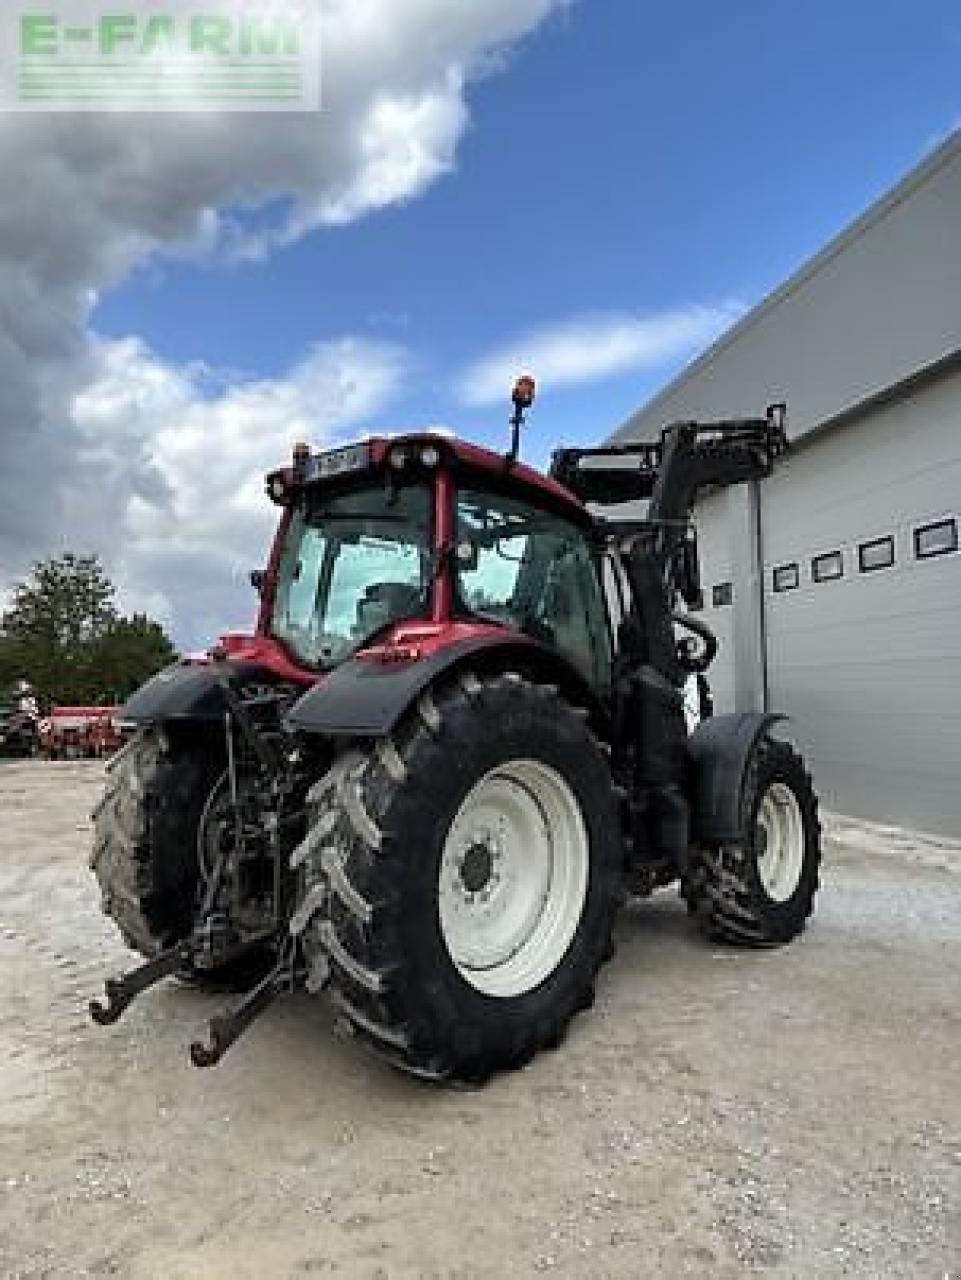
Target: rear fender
x=187, y=691
x=184, y=691
x=720, y=751
x=367, y=698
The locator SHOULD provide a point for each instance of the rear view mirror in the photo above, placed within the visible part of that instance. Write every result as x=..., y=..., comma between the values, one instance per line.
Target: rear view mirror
x=258, y=580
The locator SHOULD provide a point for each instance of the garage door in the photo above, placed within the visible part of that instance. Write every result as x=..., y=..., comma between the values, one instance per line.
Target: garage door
x=863, y=608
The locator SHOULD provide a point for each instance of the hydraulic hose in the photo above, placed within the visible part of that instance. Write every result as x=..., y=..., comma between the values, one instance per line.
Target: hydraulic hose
x=695, y=664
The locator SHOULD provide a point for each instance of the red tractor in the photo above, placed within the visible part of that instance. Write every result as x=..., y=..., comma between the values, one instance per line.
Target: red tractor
x=454, y=743
x=74, y=733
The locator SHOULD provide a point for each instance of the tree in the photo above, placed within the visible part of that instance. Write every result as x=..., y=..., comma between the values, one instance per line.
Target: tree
x=128, y=653
x=69, y=601
x=62, y=632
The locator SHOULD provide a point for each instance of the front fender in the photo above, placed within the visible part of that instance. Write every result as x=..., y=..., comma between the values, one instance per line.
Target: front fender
x=367, y=699
x=720, y=750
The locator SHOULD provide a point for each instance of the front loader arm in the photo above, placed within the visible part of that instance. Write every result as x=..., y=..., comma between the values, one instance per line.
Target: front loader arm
x=670, y=473
x=689, y=458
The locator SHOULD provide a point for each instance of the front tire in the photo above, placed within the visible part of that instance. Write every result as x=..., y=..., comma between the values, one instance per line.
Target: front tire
x=761, y=891
x=461, y=880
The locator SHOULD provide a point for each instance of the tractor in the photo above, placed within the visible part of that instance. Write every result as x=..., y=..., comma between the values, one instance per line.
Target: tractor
x=472, y=719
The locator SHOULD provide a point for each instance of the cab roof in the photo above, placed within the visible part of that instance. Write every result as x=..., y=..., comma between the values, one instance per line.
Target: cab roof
x=489, y=466
x=481, y=466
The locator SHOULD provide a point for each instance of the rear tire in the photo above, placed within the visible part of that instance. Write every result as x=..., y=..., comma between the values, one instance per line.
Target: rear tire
x=461, y=880
x=145, y=853
x=761, y=891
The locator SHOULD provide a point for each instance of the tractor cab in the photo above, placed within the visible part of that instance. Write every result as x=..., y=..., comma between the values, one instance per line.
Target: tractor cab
x=353, y=558
x=421, y=529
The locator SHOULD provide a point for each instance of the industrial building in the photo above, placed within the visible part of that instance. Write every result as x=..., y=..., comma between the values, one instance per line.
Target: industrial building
x=835, y=585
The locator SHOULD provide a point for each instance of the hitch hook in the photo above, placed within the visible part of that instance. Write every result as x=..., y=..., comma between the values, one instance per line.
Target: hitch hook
x=228, y=1027
x=121, y=992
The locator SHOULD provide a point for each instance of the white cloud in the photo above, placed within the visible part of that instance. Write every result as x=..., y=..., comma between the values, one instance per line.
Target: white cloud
x=590, y=348
x=87, y=426
x=182, y=512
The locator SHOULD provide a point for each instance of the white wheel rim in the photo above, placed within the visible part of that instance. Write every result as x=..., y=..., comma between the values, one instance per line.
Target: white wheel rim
x=513, y=878
x=780, y=842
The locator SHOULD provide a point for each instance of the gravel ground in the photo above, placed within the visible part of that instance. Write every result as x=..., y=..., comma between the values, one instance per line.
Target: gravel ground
x=718, y=1113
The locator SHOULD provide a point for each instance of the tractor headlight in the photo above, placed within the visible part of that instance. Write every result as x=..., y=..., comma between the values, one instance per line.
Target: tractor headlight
x=430, y=456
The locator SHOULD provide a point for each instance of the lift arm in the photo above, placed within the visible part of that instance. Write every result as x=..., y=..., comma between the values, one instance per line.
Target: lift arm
x=688, y=458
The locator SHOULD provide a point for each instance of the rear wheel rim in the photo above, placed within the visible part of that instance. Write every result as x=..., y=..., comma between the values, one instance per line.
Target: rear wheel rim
x=779, y=840
x=513, y=879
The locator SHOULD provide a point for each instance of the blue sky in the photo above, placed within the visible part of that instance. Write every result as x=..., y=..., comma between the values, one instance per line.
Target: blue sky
x=632, y=159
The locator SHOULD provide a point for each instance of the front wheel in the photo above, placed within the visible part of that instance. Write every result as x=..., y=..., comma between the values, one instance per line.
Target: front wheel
x=761, y=891
x=460, y=881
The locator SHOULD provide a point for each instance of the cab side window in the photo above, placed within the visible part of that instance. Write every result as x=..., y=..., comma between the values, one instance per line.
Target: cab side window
x=522, y=567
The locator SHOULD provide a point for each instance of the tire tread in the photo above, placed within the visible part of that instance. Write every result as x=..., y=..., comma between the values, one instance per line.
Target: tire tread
x=372, y=982
x=723, y=896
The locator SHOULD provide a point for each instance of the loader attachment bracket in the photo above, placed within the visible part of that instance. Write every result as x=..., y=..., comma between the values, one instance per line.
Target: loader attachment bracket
x=670, y=472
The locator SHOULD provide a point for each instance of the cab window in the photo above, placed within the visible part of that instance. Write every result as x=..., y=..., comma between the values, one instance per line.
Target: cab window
x=351, y=566
x=520, y=566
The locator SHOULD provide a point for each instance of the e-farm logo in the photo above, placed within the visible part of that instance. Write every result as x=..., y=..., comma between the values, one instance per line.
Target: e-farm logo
x=161, y=55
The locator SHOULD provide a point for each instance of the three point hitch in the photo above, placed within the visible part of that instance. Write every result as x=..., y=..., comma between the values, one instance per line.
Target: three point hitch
x=223, y=1029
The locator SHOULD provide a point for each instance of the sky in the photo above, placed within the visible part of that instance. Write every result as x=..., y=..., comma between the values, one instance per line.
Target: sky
x=587, y=190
